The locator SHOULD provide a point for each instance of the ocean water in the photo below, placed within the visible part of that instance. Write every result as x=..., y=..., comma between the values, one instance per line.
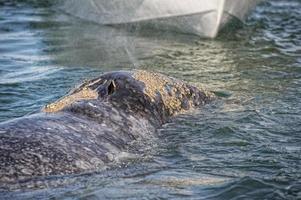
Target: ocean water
x=245, y=145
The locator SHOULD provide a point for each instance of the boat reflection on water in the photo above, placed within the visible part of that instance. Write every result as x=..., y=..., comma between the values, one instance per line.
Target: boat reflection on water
x=80, y=44
x=86, y=44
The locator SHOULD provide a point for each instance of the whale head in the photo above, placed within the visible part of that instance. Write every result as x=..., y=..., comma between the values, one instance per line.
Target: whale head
x=137, y=91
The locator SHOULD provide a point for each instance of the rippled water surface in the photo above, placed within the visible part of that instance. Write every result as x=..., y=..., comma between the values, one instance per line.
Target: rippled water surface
x=246, y=145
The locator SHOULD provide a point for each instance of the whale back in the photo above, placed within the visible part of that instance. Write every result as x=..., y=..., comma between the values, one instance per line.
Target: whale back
x=93, y=124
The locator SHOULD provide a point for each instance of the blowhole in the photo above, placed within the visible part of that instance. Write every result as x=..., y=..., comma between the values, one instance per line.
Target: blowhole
x=111, y=87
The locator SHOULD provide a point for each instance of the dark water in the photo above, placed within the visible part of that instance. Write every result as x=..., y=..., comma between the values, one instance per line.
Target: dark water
x=246, y=145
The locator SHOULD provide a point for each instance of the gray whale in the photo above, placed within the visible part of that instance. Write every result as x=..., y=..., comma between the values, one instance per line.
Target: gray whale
x=92, y=124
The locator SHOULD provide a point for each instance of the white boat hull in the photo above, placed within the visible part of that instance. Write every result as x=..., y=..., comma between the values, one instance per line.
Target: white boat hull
x=202, y=17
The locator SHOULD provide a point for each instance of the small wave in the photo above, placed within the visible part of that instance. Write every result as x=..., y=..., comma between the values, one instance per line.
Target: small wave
x=28, y=74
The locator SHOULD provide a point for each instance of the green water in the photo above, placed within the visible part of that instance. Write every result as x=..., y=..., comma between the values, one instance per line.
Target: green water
x=246, y=145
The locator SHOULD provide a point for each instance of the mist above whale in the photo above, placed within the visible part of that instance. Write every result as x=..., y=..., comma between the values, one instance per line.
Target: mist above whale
x=91, y=125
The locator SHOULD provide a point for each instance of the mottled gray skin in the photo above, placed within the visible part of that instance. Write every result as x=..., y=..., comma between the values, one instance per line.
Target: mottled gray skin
x=87, y=134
